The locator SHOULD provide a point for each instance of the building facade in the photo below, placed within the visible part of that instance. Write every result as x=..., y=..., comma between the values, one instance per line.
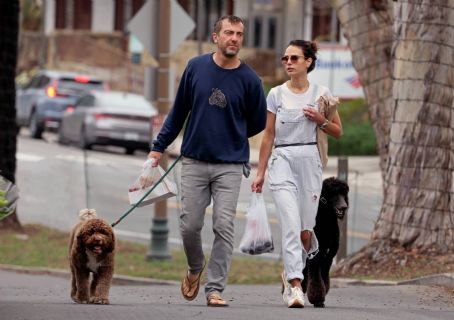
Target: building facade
x=270, y=24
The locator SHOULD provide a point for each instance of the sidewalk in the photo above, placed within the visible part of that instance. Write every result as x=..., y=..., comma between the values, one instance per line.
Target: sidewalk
x=46, y=296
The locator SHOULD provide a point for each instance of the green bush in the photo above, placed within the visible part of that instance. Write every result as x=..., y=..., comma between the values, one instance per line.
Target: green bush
x=359, y=136
x=358, y=139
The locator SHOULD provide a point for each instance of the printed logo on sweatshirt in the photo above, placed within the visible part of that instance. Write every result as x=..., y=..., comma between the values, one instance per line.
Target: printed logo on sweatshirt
x=217, y=98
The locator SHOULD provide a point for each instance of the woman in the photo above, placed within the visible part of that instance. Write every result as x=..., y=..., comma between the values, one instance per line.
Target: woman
x=295, y=168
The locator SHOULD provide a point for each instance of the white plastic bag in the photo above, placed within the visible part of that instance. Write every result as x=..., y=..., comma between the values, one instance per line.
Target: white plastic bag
x=147, y=179
x=257, y=237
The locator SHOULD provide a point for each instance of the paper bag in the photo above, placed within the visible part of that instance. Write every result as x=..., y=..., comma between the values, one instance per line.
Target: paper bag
x=328, y=107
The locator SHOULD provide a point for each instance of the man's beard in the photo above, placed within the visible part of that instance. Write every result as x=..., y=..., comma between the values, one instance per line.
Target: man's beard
x=229, y=53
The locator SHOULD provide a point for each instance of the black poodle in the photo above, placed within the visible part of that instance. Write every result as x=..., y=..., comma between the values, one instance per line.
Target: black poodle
x=332, y=206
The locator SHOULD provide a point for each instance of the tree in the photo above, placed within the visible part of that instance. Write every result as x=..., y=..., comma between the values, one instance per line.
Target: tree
x=9, y=28
x=403, y=52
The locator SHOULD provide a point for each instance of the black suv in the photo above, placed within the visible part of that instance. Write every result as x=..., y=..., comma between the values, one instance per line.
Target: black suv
x=41, y=103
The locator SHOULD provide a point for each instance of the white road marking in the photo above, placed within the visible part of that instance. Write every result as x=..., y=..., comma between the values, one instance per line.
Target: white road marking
x=91, y=160
x=28, y=157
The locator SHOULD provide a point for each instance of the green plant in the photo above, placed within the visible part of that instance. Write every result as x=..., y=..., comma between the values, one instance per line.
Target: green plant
x=3, y=204
x=358, y=139
x=359, y=136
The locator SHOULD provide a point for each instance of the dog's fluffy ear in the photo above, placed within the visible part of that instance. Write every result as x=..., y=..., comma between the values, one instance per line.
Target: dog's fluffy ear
x=111, y=246
x=79, y=241
x=86, y=214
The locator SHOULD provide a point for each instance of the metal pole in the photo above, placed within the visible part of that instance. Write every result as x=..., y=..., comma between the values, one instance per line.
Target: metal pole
x=42, y=31
x=333, y=32
x=159, y=231
x=342, y=174
x=200, y=26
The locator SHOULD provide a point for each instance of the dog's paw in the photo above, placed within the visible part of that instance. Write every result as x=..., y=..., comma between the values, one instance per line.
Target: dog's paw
x=80, y=300
x=319, y=305
x=98, y=300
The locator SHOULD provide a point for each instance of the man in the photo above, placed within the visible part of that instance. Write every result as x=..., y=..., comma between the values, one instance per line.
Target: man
x=226, y=103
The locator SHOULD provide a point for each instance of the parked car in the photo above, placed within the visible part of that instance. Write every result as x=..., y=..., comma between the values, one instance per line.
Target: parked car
x=40, y=103
x=109, y=118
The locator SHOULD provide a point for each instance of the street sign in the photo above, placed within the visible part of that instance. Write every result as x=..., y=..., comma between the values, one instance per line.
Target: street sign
x=144, y=25
x=181, y=25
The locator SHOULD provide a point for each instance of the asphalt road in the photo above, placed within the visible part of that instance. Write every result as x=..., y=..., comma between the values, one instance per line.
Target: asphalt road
x=33, y=297
x=53, y=180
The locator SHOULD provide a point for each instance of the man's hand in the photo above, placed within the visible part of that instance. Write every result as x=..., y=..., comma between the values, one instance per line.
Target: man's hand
x=257, y=184
x=155, y=156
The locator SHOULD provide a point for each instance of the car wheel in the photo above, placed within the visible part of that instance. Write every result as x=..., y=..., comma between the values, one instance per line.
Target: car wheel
x=35, y=130
x=61, y=138
x=83, y=140
x=130, y=150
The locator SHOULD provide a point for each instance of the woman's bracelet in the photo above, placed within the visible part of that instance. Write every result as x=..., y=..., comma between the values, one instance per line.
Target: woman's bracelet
x=324, y=124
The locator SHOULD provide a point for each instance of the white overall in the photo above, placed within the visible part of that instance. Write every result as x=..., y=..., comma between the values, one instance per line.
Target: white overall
x=295, y=179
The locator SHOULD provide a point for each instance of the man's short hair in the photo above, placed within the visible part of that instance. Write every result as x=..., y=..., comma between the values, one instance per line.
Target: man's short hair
x=229, y=18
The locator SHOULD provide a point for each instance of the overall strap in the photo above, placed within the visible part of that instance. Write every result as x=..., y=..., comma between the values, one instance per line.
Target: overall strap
x=279, y=96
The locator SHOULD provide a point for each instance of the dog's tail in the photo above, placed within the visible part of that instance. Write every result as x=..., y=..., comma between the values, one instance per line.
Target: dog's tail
x=87, y=214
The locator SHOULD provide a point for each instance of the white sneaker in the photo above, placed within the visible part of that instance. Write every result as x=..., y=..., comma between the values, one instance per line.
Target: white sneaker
x=295, y=298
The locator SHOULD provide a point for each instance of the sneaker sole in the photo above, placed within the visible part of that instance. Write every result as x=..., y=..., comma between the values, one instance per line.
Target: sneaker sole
x=296, y=304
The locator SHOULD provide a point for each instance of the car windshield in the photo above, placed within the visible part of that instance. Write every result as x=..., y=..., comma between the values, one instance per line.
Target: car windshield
x=82, y=85
x=123, y=100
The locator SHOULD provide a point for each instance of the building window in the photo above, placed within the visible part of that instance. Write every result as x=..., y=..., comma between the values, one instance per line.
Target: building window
x=323, y=17
x=272, y=30
x=82, y=14
x=258, y=25
x=60, y=14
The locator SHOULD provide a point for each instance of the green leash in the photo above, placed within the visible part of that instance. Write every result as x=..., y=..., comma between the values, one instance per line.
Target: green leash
x=146, y=194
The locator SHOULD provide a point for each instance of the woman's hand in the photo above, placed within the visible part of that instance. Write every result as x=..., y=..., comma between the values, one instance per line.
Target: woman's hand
x=313, y=115
x=257, y=184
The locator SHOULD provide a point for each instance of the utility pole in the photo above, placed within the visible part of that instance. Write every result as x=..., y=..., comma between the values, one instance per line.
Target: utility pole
x=159, y=229
x=342, y=174
x=200, y=26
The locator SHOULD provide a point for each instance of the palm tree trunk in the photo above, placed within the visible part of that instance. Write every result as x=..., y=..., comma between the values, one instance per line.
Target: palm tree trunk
x=418, y=207
x=9, y=27
x=403, y=52
x=368, y=27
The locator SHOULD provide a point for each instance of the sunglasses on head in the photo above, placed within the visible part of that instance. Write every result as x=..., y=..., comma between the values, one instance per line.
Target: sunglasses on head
x=293, y=58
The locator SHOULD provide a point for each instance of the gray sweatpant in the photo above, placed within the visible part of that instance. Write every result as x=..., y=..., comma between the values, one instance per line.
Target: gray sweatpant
x=200, y=182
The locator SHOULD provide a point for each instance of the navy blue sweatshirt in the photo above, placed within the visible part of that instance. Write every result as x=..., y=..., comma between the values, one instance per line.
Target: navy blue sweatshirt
x=227, y=106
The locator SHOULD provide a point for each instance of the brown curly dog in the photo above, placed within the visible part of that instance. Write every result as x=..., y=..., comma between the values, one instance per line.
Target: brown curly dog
x=91, y=250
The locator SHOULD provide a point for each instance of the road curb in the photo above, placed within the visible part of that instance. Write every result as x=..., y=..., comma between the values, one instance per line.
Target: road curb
x=117, y=279
x=356, y=282
x=443, y=279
